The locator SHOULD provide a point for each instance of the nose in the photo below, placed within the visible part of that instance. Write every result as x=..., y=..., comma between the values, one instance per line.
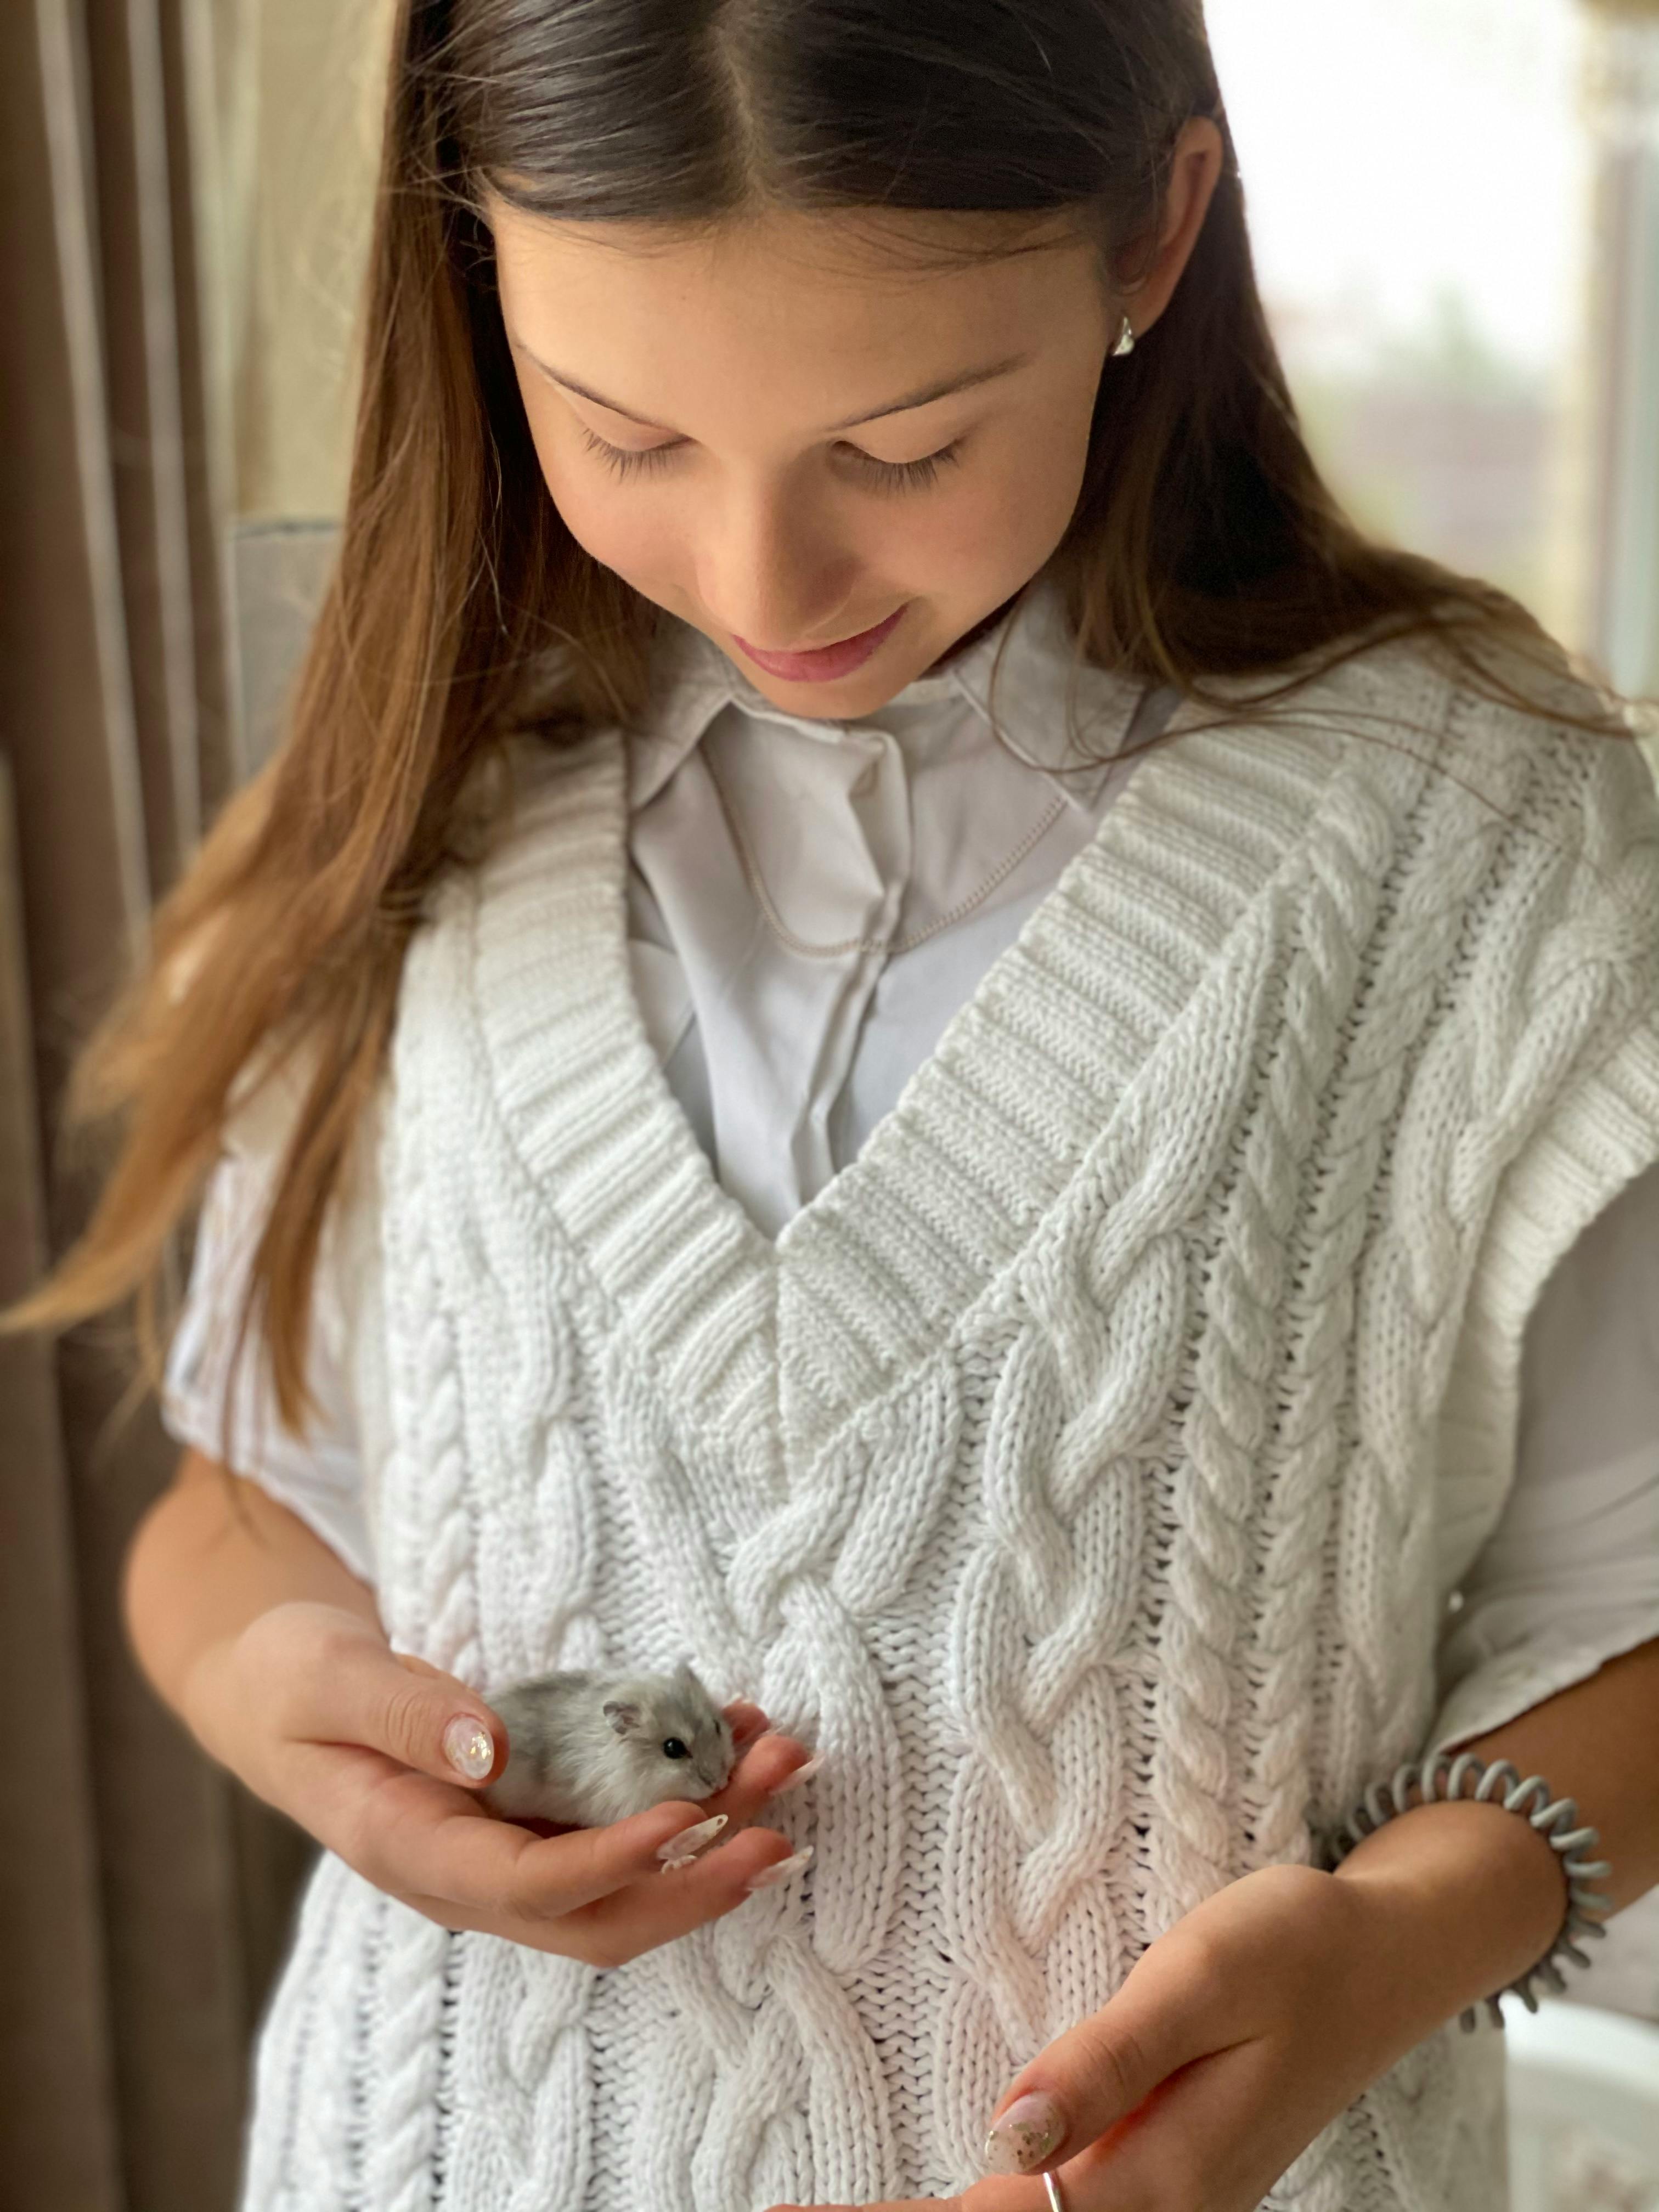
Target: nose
x=773, y=570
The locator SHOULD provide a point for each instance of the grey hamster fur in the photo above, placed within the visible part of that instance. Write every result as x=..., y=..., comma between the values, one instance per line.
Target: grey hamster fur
x=587, y=1748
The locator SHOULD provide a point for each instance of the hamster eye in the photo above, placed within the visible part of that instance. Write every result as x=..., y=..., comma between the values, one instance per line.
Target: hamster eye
x=673, y=1748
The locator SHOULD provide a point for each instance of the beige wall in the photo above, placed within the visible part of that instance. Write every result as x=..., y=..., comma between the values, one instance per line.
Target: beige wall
x=300, y=87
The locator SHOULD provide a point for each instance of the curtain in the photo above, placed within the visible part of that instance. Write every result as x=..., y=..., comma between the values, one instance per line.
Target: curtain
x=143, y=1898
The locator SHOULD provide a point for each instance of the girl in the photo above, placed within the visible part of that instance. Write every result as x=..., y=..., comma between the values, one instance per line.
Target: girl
x=897, y=1021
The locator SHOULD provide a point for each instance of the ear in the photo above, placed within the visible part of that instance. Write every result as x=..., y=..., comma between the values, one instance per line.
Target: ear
x=1195, y=171
x=623, y=1717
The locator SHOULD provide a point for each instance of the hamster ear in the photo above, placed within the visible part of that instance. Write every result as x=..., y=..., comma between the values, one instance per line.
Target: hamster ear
x=623, y=1717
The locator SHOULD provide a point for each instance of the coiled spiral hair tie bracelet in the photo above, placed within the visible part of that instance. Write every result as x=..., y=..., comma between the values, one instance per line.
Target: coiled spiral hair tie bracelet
x=1441, y=1780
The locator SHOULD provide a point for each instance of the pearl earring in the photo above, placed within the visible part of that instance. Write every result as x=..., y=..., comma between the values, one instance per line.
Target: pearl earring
x=1125, y=343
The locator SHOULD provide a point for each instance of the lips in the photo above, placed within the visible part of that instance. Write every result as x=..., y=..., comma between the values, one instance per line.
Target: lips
x=829, y=662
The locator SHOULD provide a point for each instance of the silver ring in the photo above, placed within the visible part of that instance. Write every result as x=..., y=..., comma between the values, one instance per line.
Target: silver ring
x=1056, y=2202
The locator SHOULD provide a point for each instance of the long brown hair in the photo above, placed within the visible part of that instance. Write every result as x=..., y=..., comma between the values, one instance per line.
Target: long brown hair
x=1204, y=545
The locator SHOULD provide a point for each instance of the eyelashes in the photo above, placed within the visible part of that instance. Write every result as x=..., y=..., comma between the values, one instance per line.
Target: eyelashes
x=908, y=476
x=624, y=463
x=883, y=475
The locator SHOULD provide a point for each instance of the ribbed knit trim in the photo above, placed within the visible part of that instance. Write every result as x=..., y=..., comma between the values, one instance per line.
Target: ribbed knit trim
x=951, y=1184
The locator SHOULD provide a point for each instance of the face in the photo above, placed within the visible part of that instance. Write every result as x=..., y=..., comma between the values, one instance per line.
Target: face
x=677, y=1738
x=756, y=429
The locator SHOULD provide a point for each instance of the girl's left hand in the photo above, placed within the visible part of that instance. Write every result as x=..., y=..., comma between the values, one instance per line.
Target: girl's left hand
x=1237, y=2038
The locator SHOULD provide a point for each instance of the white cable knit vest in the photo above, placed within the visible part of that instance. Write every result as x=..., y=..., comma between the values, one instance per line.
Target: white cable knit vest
x=1085, y=1470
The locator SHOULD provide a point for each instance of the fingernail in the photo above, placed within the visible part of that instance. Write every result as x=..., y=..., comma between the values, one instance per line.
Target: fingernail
x=1032, y=2130
x=468, y=1747
x=769, y=1877
x=690, y=1841
x=800, y=1774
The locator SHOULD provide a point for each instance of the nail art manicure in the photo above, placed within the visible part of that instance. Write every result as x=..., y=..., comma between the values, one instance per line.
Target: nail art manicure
x=680, y=1850
x=803, y=1773
x=1032, y=2130
x=468, y=1748
x=769, y=1877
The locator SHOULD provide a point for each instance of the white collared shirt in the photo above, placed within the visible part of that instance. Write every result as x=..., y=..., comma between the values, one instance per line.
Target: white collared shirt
x=876, y=829
x=866, y=834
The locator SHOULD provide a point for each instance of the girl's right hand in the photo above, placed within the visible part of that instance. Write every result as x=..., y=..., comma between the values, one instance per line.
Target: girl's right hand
x=311, y=1708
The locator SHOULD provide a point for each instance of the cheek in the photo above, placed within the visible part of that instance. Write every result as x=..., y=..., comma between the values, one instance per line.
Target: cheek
x=629, y=528
x=1003, y=516
x=624, y=529
x=1042, y=478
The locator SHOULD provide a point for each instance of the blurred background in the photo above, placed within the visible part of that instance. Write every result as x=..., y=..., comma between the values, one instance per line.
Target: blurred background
x=1455, y=205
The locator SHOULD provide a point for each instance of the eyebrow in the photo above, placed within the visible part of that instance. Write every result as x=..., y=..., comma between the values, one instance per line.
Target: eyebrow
x=942, y=389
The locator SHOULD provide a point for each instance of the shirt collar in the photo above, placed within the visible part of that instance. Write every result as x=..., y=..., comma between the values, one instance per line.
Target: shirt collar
x=1051, y=708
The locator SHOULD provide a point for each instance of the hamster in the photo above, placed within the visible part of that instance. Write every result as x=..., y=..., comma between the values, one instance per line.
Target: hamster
x=586, y=1748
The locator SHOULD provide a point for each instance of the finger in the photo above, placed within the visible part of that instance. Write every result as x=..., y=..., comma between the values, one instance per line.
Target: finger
x=757, y=1778
x=359, y=1692
x=747, y=1720
x=717, y=1880
x=402, y=1830
x=763, y=1767
x=1167, y=2013
x=606, y=1883
x=638, y=1917
x=405, y=1832
x=1219, y=2133
x=908, y=2204
x=667, y=1906
x=766, y=1766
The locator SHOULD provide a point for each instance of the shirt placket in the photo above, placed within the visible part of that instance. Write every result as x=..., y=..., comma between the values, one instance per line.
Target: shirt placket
x=824, y=813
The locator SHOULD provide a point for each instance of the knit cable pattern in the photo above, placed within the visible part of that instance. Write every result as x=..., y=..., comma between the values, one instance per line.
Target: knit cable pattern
x=522, y=1515
x=429, y=1607
x=1068, y=1470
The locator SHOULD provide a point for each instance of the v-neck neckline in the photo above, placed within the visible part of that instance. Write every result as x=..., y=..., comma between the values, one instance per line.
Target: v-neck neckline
x=754, y=1337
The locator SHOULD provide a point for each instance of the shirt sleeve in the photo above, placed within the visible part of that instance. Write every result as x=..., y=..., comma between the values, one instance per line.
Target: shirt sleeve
x=1570, y=1576
x=318, y=1477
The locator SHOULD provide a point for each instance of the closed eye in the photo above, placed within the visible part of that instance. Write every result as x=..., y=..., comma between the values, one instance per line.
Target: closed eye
x=905, y=476
x=885, y=475
x=625, y=461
